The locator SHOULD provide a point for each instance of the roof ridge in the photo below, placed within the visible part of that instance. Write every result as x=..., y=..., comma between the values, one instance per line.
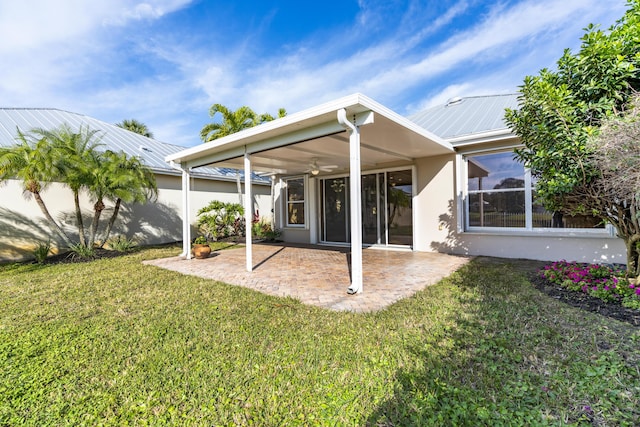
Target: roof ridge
x=88, y=117
x=42, y=108
x=490, y=96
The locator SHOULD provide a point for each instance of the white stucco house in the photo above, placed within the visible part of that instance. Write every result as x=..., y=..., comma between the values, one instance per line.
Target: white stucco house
x=22, y=225
x=353, y=172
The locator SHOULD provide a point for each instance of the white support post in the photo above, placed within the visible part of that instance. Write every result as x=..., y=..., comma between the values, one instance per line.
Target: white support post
x=355, y=184
x=355, y=200
x=186, y=223
x=248, y=210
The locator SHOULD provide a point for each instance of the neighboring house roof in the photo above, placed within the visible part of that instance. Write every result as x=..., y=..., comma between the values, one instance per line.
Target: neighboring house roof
x=462, y=118
x=152, y=152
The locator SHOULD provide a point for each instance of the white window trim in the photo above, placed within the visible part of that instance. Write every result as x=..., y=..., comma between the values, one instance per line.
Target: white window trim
x=463, y=207
x=285, y=185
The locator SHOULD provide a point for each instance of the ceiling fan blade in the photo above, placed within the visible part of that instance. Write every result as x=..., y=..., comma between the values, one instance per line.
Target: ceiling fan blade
x=271, y=172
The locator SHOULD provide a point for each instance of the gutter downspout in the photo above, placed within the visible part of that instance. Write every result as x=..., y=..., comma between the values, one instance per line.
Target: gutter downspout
x=355, y=198
x=186, y=225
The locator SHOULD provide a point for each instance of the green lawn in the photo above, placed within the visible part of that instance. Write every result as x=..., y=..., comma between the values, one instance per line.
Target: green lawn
x=115, y=342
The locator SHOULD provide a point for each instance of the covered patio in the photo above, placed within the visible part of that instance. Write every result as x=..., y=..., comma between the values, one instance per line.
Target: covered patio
x=342, y=138
x=318, y=275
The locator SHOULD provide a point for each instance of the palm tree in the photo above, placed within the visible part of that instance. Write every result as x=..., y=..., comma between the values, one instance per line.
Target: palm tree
x=234, y=121
x=266, y=117
x=131, y=182
x=77, y=154
x=33, y=162
x=121, y=179
x=135, y=126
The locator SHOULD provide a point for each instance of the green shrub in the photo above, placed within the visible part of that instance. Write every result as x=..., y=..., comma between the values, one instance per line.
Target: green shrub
x=219, y=220
x=607, y=282
x=121, y=243
x=41, y=252
x=82, y=251
x=263, y=230
x=200, y=240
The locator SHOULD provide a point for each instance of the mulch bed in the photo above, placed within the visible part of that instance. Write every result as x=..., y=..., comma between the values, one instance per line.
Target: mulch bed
x=587, y=302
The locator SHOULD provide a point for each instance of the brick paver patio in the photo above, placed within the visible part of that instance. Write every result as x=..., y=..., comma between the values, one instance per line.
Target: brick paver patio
x=319, y=275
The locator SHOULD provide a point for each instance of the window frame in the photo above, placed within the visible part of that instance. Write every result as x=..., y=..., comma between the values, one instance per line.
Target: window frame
x=304, y=201
x=462, y=160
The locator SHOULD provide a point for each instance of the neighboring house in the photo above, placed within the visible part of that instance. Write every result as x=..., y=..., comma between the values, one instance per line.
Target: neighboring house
x=445, y=179
x=22, y=225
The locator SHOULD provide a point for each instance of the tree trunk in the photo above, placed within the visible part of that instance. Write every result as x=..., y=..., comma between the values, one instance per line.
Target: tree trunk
x=112, y=220
x=76, y=199
x=633, y=269
x=556, y=220
x=98, y=207
x=47, y=215
x=239, y=187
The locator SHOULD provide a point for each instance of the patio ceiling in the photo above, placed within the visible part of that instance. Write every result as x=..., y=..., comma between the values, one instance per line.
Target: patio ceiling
x=290, y=144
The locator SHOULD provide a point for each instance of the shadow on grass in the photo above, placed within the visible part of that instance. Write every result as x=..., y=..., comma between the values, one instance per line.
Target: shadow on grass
x=503, y=354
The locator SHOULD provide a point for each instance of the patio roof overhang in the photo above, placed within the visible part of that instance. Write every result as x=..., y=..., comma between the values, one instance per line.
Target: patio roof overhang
x=289, y=144
x=353, y=133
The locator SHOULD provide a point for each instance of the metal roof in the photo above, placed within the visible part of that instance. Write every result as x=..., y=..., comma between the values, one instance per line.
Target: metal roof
x=464, y=116
x=152, y=152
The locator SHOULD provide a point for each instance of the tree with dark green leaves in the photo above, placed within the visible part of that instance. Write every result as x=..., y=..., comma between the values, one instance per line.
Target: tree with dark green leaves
x=135, y=126
x=561, y=110
x=234, y=121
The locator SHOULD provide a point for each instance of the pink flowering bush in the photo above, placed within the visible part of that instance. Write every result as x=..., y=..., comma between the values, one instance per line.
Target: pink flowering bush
x=606, y=282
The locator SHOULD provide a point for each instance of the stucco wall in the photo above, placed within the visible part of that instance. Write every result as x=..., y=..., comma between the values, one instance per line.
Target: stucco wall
x=434, y=197
x=437, y=227
x=541, y=247
x=22, y=224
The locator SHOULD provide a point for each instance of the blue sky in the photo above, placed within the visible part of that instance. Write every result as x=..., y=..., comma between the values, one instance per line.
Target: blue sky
x=164, y=62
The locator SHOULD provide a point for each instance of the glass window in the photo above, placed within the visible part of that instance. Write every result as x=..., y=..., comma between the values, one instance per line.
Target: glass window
x=501, y=193
x=496, y=189
x=295, y=202
x=542, y=218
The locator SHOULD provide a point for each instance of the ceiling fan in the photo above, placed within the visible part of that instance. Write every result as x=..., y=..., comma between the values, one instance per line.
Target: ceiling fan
x=315, y=169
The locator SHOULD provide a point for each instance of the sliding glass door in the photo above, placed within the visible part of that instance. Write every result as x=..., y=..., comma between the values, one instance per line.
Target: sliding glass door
x=386, y=209
x=400, y=208
x=335, y=218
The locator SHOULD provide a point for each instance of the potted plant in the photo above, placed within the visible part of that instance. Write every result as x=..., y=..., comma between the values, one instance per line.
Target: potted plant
x=200, y=248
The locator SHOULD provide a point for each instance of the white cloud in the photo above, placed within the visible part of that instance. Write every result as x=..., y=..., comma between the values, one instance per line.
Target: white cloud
x=392, y=66
x=501, y=33
x=29, y=24
x=75, y=55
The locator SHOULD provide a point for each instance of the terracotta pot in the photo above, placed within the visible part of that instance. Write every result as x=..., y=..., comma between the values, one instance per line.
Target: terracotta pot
x=201, y=251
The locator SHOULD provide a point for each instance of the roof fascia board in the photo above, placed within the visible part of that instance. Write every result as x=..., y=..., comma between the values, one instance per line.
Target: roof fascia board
x=214, y=157
x=476, y=138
